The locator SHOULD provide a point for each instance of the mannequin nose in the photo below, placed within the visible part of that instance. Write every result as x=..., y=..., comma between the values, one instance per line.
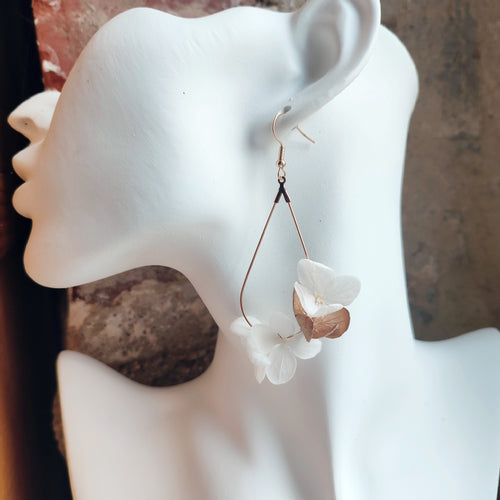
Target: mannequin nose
x=27, y=126
x=32, y=118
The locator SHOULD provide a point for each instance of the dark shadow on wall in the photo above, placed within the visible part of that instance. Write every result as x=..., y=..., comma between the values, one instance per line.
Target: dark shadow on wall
x=30, y=315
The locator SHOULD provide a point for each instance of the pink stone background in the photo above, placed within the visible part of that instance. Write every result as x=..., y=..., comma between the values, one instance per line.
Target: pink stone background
x=65, y=26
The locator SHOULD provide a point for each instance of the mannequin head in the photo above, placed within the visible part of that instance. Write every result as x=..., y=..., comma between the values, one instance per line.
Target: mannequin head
x=148, y=155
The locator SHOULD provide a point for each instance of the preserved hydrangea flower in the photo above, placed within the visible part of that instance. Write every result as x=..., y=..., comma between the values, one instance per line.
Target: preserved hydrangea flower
x=274, y=348
x=319, y=298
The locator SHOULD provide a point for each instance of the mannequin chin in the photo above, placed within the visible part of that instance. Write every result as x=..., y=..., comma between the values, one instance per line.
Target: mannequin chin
x=160, y=151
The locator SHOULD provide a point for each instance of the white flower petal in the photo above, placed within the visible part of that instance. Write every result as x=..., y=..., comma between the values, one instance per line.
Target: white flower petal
x=260, y=363
x=315, y=276
x=304, y=349
x=283, y=365
x=260, y=373
x=326, y=309
x=307, y=299
x=258, y=359
x=263, y=338
x=342, y=291
x=282, y=324
x=240, y=326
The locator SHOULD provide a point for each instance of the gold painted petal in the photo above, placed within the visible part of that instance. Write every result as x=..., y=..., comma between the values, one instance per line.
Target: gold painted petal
x=307, y=299
x=332, y=325
x=304, y=321
x=325, y=309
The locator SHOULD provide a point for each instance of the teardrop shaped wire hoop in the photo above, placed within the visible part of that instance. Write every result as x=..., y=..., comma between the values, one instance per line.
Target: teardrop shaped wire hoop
x=281, y=193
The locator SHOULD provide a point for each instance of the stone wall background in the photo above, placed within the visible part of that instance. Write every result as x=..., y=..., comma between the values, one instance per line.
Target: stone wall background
x=149, y=323
x=451, y=194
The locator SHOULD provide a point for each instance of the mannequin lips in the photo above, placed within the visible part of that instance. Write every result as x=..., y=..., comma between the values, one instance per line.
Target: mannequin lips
x=26, y=160
x=20, y=200
x=19, y=166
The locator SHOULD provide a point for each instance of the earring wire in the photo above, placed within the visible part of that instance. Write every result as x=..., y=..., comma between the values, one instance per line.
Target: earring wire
x=281, y=192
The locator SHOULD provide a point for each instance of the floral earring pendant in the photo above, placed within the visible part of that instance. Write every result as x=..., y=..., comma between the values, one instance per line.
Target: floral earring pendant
x=319, y=300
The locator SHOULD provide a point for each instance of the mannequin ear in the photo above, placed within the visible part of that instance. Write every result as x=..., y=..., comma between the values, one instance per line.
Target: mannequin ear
x=32, y=117
x=333, y=40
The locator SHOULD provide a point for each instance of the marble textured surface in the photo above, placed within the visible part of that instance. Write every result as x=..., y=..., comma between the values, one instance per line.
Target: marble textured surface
x=150, y=325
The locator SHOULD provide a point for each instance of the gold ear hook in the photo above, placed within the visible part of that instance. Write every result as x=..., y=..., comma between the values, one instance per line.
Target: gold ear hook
x=306, y=136
x=281, y=163
x=281, y=113
x=273, y=126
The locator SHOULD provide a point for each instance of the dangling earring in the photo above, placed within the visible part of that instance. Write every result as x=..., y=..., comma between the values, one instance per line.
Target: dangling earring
x=319, y=297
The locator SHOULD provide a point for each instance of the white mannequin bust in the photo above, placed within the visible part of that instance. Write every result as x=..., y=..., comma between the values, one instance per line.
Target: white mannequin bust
x=159, y=151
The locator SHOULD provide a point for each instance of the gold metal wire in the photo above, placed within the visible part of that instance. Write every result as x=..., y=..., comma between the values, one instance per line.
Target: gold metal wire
x=251, y=264
x=306, y=136
x=298, y=230
x=281, y=192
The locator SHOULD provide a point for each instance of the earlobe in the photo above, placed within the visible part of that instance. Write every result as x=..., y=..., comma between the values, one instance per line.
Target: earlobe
x=32, y=118
x=333, y=39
